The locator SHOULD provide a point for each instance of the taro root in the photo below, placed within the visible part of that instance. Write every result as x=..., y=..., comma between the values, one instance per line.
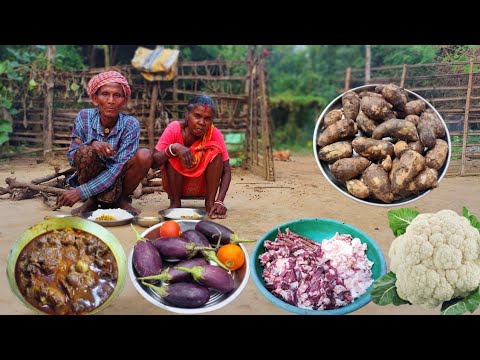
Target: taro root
x=376, y=179
x=349, y=168
x=332, y=117
x=373, y=150
x=357, y=188
x=350, y=105
x=336, y=151
x=341, y=130
x=410, y=165
x=396, y=128
x=436, y=157
x=415, y=107
x=376, y=108
x=394, y=95
x=366, y=124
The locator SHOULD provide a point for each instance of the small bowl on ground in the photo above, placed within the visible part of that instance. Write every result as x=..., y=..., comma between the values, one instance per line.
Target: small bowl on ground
x=317, y=229
x=183, y=214
x=58, y=224
x=217, y=300
x=147, y=221
x=340, y=186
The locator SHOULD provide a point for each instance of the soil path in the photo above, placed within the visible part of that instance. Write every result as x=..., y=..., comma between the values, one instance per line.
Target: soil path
x=254, y=207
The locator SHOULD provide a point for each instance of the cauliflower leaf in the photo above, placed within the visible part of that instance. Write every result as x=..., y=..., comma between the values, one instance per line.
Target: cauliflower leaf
x=460, y=306
x=473, y=220
x=384, y=291
x=398, y=220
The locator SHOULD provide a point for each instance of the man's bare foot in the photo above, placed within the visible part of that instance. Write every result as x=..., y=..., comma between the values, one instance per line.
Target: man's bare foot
x=125, y=205
x=175, y=204
x=89, y=205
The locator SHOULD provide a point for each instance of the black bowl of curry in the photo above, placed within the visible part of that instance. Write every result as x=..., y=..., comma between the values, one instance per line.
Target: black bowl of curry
x=66, y=266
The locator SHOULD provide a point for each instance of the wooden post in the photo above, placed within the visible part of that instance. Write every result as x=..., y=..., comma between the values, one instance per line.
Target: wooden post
x=175, y=85
x=151, y=116
x=368, y=62
x=106, y=49
x=347, y=78
x=48, y=114
x=404, y=75
x=465, y=121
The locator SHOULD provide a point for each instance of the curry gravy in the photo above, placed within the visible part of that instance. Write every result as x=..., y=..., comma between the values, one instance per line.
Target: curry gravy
x=66, y=271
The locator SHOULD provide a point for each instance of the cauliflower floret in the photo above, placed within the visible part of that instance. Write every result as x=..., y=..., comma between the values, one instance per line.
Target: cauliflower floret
x=437, y=259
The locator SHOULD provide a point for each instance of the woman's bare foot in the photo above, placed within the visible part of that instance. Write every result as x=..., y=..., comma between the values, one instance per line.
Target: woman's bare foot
x=125, y=205
x=89, y=205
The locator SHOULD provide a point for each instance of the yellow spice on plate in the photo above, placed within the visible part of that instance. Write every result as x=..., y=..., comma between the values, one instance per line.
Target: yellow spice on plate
x=106, y=217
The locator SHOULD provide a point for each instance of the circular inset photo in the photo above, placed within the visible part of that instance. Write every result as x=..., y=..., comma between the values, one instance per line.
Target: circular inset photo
x=382, y=145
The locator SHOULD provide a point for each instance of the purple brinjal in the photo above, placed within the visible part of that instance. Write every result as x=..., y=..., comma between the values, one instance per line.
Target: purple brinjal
x=211, y=276
x=184, y=295
x=218, y=234
x=146, y=258
x=201, y=240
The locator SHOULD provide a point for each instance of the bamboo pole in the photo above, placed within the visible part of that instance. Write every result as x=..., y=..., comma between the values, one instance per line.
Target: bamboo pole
x=368, y=63
x=151, y=116
x=465, y=122
x=48, y=119
x=347, y=78
x=404, y=75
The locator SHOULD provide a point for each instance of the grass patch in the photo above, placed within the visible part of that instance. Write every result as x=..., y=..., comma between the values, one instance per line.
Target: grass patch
x=458, y=139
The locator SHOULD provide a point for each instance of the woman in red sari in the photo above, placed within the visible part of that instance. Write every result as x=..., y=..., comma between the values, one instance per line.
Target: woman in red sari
x=195, y=158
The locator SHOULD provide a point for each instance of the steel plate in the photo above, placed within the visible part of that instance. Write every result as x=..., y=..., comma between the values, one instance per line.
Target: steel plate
x=217, y=300
x=183, y=214
x=339, y=185
x=87, y=214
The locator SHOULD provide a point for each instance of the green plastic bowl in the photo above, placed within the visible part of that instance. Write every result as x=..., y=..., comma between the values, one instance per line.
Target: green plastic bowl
x=60, y=223
x=317, y=230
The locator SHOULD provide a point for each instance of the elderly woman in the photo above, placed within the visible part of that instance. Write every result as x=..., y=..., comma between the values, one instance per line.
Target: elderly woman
x=195, y=157
x=104, y=149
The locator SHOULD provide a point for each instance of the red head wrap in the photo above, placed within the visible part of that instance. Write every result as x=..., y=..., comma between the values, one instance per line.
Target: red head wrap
x=107, y=77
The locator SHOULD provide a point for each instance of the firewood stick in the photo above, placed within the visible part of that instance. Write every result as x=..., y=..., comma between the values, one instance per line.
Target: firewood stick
x=152, y=183
x=151, y=189
x=13, y=183
x=4, y=191
x=53, y=176
x=22, y=194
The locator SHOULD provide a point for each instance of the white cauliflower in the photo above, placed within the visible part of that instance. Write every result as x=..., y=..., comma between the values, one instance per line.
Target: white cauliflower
x=437, y=259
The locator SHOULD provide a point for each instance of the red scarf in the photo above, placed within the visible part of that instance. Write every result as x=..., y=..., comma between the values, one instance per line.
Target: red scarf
x=203, y=150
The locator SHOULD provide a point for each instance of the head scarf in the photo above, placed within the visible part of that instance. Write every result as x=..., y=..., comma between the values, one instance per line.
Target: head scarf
x=107, y=77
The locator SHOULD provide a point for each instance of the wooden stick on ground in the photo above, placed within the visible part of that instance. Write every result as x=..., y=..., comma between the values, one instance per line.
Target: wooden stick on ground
x=13, y=183
x=151, y=189
x=52, y=176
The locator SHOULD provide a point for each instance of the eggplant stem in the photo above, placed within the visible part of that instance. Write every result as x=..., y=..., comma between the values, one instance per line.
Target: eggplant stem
x=213, y=257
x=139, y=237
x=163, y=276
x=219, y=238
x=235, y=239
x=160, y=290
x=196, y=271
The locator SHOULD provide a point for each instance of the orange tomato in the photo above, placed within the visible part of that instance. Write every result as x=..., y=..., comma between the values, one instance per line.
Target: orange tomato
x=170, y=228
x=231, y=255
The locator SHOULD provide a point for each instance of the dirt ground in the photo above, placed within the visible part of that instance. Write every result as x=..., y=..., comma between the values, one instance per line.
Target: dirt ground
x=254, y=207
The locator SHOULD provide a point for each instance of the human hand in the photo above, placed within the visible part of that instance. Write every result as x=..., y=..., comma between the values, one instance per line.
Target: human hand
x=103, y=148
x=185, y=155
x=69, y=198
x=218, y=211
